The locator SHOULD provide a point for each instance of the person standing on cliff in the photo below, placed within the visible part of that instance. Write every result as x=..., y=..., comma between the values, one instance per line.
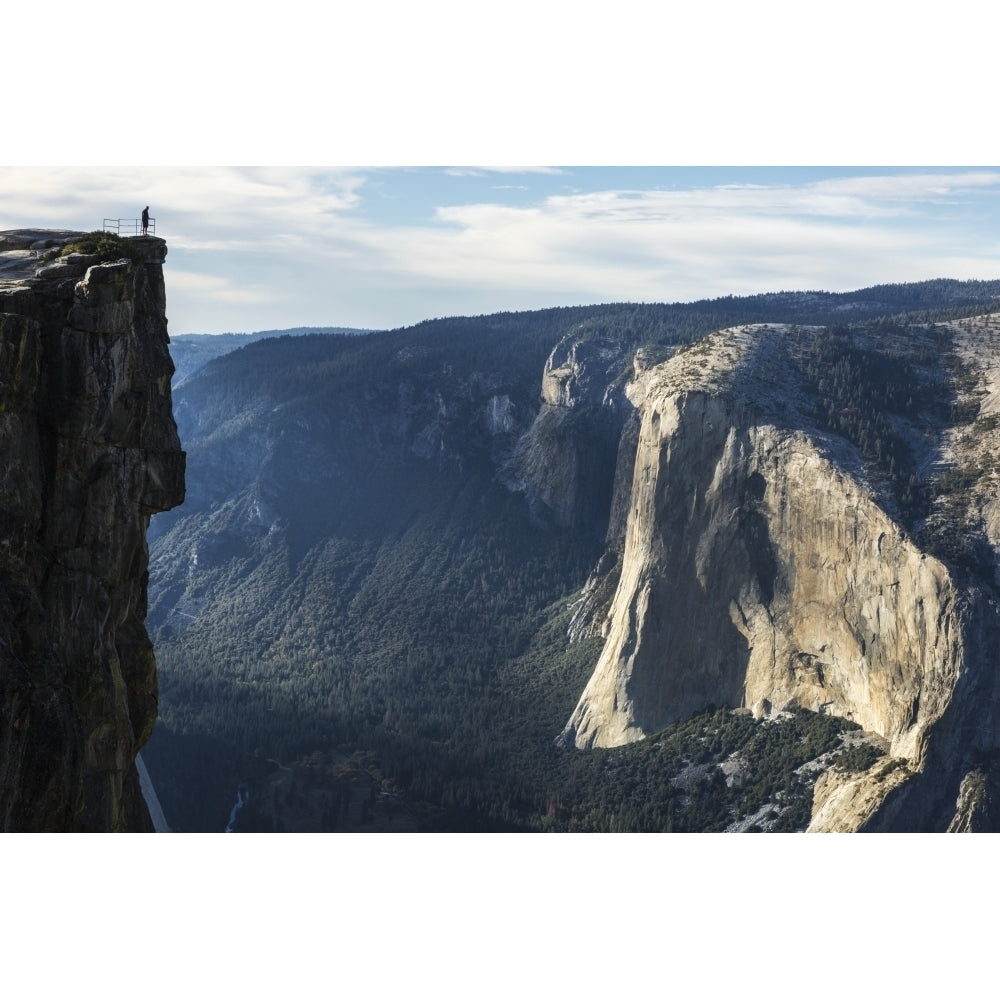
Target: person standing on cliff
x=145, y=220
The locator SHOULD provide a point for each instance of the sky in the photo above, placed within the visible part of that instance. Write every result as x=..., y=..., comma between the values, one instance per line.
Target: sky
x=257, y=248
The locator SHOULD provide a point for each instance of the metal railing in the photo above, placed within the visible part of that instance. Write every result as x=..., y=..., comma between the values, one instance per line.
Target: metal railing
x=129, y=227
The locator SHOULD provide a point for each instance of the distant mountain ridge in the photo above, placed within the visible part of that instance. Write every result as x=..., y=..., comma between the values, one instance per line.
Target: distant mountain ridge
x=192, y=350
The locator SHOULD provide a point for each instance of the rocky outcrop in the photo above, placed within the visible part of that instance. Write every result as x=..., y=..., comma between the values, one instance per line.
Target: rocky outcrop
x=565, y=462
x=760, y=570
x=974, y=808
x=90, y=453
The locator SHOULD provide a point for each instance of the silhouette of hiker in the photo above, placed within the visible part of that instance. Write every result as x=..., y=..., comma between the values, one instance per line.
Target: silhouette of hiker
x=145, y=220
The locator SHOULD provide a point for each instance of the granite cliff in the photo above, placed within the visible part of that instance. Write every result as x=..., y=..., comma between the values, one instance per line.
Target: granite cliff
x=762, y=567
x=793, y=522
x=90, y=453
x=564, y=463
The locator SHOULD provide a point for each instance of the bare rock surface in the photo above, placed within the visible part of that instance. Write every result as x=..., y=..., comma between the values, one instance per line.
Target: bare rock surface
x=566, y=458
x=90, y=453
x=761, y=569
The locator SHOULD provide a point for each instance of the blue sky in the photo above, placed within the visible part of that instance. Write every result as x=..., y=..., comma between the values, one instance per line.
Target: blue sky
x=272, y=247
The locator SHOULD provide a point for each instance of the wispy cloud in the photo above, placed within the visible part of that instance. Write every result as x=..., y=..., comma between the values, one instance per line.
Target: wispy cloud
x=650, y=244
x=485, y=171
x=219, y=289
x=221, y=204
x=264, y=247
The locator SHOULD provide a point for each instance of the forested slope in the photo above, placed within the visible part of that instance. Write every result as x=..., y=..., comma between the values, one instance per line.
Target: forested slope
x=361, y=611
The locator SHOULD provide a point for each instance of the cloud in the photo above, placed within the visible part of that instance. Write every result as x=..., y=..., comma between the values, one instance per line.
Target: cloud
x=655, y=244
x=484, y=171
x=217, y=205
x=273, y=246
x=218, y=288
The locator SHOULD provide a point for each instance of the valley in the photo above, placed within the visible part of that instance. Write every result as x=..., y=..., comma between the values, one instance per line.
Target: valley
x=396, y=571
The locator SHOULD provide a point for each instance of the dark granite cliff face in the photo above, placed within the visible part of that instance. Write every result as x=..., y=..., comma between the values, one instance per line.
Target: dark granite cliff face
x=90, y=451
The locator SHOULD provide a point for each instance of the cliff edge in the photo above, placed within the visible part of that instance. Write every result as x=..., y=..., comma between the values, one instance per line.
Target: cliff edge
x=91, y=452
x=763, y=569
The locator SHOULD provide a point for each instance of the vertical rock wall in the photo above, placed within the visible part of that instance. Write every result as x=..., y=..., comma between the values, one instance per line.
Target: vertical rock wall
x=565, y=462
x=90, y=452
x=757, y=572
